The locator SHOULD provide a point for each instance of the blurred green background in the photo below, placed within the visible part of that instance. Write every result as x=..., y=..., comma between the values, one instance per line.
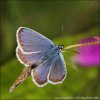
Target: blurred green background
x=80, y=19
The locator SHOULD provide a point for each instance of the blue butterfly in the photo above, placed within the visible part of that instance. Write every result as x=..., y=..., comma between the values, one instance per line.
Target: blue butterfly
x=35, y=49
x=39, y=50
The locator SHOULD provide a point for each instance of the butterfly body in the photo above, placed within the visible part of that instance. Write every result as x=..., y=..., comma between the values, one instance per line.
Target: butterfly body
x=51, y=53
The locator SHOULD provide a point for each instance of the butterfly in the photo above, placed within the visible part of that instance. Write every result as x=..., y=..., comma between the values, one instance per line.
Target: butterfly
x=41, y=57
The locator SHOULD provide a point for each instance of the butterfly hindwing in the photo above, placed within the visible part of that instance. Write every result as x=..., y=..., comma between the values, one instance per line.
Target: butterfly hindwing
x=41, y=72
x=58, y=70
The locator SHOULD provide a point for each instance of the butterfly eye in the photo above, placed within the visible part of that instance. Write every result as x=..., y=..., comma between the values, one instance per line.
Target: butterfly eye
x=61, y=46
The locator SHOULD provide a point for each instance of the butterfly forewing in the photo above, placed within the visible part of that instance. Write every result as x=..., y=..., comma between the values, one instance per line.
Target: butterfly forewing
x=32, y=41
x=29, y=59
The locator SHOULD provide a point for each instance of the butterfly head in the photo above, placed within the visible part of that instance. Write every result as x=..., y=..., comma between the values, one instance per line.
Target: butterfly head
x=60, y=47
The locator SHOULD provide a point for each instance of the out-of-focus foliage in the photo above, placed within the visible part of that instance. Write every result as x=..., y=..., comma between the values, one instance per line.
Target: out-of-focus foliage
x=80, y=20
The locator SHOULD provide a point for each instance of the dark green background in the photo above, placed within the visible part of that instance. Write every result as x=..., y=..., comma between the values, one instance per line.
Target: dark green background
x=80, y=19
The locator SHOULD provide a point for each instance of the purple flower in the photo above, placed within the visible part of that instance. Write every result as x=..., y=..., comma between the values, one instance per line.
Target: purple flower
x=88, y=55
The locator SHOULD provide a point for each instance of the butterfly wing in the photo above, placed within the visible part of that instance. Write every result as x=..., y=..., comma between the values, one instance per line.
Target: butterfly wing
x=31, y=41
x=41, y=72
x=58, y=70
x=29, y=59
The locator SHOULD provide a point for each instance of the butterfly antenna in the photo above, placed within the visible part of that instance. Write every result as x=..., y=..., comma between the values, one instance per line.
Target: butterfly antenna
x=81, y=45
x=74, y=51
x=23, y=76
x=70, y=50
